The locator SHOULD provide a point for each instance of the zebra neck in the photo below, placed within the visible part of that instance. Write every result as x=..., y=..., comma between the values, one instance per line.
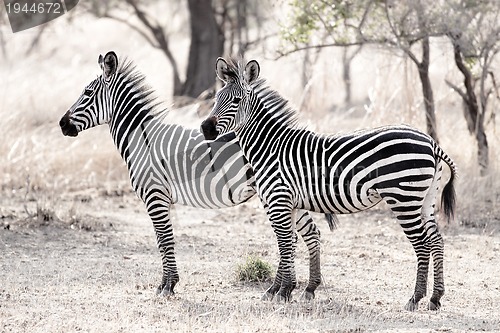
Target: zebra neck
x=134, y=129
x=259, y=136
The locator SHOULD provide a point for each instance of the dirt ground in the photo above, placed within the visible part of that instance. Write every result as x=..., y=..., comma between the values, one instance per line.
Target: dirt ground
x=99, y=274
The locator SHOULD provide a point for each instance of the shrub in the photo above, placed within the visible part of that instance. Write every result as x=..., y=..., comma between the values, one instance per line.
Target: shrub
x=254, y=270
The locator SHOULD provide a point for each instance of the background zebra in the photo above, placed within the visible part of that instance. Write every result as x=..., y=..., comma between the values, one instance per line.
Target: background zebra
x=170, y=164
x=297, y=168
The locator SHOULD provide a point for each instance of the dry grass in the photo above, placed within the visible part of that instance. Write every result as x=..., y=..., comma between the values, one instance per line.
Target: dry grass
x=62, y=280
x=58, y=278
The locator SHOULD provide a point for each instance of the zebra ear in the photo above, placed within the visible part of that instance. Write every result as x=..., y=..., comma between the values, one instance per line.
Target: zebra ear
x=252, y=70
x=109, y=64
x=221, y=69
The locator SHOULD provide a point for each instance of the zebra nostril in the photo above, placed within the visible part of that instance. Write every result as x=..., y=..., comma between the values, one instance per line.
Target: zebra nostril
x=67, y=127
x=208, y=128
x=63, y=122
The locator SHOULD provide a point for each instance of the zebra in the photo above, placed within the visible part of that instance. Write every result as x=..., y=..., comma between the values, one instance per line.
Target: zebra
x=296, y=168
x=169, y=163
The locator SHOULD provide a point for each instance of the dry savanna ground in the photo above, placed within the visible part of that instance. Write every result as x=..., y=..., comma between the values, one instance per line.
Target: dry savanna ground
x=99, y=273
x=78, y=251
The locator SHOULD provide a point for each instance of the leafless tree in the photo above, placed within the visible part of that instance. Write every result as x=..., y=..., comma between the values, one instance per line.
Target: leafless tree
x=474, y=31
x=348, y=55
x=212, y=23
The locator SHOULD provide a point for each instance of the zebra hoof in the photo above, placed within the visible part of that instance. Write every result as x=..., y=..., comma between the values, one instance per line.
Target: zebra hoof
x=411, y=305
x=434, y=306
x=164, y=291
x=307, y=296
x=267, y=296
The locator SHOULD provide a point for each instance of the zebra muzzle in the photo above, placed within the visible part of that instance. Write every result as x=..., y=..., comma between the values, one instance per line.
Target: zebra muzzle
x=67, y=127
x=209, y=128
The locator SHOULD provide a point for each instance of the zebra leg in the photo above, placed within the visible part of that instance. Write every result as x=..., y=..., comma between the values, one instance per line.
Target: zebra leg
x=437, y=252
x=310, y=233
x=430, y=244
x=435, y=240
x=158, y=206
x=271, y=291
x=280, y=216
x=423, y=257
x=275, y=287
x=409, y=216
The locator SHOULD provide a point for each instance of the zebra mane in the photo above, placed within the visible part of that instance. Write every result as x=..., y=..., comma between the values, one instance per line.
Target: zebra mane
x=270, y=98
x=288, y=116
x=127, y=69
x=235, y=69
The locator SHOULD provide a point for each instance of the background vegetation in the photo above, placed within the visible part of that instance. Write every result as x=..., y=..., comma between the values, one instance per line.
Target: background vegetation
x=347, y=64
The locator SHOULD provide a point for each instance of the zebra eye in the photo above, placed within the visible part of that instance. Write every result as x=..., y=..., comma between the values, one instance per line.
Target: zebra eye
x=236, y=100
x=88, y=92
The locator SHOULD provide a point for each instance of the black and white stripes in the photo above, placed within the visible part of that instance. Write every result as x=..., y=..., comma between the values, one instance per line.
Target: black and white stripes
x=168, y=164
x=297, y=168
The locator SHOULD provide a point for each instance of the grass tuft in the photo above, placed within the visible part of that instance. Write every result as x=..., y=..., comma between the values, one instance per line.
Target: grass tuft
x=254, y=270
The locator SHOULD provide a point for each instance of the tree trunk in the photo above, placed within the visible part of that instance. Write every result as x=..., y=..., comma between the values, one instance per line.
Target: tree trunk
x=241, y=26
x=207, y=43
x=346, y=71
x=423, y=72
x=474, y=118
x=482, y=150
x=346, y=76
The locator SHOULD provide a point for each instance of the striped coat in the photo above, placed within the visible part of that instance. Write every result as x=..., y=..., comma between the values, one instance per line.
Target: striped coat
x=169, y=164
x=297, y=168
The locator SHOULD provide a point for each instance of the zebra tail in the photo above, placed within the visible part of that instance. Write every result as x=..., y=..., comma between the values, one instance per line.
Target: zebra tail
x=332, y=220
x=448, y=197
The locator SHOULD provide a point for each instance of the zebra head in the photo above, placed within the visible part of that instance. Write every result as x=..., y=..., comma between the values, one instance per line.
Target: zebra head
x=92, y=107
x=231, y=101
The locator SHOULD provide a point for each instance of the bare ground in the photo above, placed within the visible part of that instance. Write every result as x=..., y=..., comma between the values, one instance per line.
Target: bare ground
x=98, y=273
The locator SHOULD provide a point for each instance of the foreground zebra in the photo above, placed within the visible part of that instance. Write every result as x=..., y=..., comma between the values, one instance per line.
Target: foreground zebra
x=297, y=168
x=170, y=164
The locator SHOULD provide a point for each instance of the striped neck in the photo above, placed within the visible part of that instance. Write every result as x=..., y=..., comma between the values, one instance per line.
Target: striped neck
x=261, y=130
x=133, y=114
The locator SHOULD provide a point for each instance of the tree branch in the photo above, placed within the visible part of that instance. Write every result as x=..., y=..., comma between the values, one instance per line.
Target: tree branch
x=158, y=39
x=258, y=40
x=282, y=54
x=142, y=16
x=145, y=35
x=496, y=93
x=456, y=89
x=36, y=40
x=494, y=82
x=359, y=28
x=391, y=26
x=465, y=72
